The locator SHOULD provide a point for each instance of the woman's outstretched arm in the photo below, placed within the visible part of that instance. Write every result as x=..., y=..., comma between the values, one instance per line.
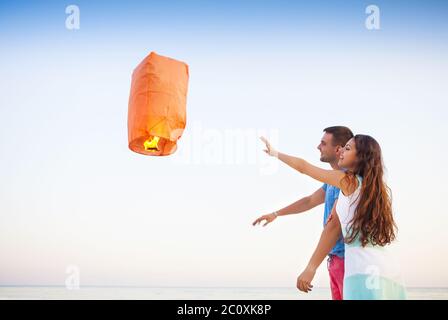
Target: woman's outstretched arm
x=328, y=239
x=332, y=177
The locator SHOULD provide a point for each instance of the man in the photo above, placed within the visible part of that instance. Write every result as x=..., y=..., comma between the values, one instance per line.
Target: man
x=330, y=147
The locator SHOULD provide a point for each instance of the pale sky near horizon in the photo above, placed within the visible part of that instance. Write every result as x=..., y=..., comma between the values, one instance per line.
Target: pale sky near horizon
x=72, y=193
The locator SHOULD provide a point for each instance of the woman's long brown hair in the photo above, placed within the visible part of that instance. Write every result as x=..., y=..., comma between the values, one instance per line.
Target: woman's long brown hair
x=373, y=220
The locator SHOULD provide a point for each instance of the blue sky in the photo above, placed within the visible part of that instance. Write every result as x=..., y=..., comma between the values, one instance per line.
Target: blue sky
x=73, y=194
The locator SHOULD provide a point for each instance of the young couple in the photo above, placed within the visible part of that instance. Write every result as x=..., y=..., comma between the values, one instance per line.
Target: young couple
x=358, y=219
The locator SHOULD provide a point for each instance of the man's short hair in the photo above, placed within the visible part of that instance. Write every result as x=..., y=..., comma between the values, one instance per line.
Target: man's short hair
x=341, y=135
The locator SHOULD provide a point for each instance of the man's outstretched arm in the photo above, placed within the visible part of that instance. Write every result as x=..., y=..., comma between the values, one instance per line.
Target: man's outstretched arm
x=302, y=205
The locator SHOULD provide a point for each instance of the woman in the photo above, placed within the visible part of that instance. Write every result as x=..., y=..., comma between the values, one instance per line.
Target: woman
x=363, y=215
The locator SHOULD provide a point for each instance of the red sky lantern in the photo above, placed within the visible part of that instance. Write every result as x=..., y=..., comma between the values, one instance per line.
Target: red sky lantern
x=157, y=105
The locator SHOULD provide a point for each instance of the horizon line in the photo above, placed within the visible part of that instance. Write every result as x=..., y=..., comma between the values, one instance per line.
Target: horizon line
x=189, y=287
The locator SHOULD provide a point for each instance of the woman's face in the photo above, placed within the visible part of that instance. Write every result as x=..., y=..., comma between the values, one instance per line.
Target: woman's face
x=348, y=157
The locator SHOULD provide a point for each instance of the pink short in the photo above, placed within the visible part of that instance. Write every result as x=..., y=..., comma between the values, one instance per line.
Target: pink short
x=336, y=270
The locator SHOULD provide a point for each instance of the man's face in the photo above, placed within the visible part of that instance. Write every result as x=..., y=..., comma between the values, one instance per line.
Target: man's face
x=328, y=152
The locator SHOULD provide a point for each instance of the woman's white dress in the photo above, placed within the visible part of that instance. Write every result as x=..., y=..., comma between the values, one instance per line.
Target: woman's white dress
x=371, y=271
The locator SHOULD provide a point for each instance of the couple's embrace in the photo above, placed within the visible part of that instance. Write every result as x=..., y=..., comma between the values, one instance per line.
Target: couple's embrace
x=358, y=219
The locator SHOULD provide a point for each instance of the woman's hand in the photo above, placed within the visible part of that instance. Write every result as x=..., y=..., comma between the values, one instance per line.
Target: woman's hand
x=305, y=278
x=269, y=149
x=268, y=217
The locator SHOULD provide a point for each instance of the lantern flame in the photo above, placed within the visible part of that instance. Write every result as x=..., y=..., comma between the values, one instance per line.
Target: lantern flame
x=151, y=144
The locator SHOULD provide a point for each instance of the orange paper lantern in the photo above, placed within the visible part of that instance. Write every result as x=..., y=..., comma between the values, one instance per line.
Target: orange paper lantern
x=157, y=105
